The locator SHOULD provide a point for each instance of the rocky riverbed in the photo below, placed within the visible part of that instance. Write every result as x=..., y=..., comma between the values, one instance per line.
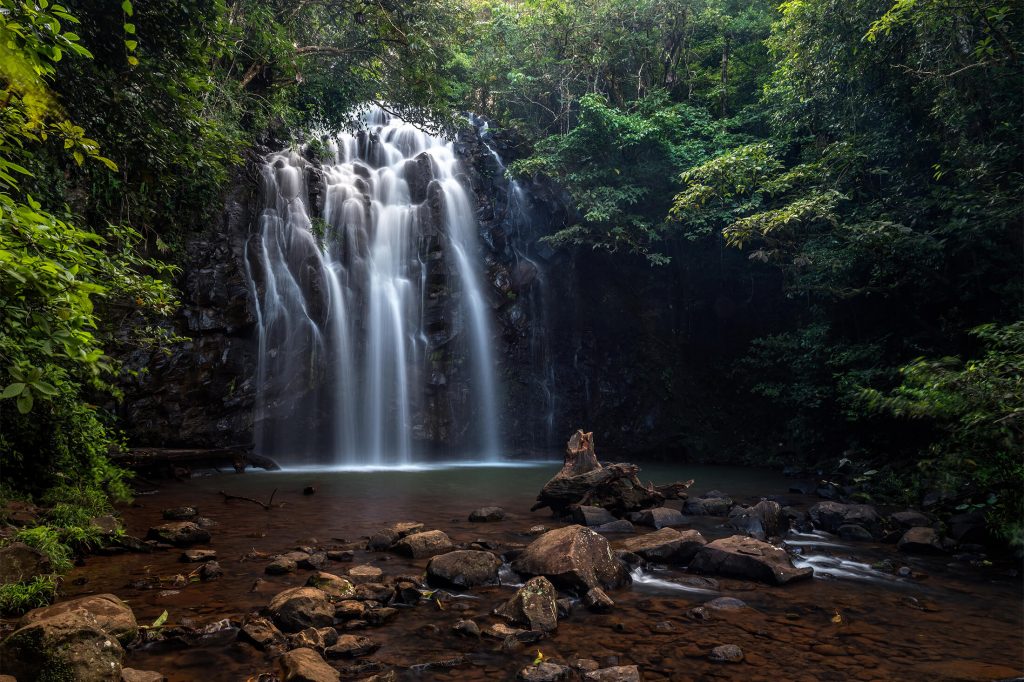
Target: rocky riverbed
x=445, y=574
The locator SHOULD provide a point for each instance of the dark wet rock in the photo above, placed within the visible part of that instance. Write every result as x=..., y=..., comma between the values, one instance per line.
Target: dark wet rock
x=422, y=545
x=501, y=631
x=301, y=607
x=699, y=614
x=597, y=600
x=664, y=626
x=382, y=540
x=762, y=521
x=349, y=609
x=467, y=628
x=180, y=513
x=910, y=519
x=619, y=673
x=564, y=607
x=592, y=516
x=666, y=545
x=317, y=639
x=314, y=561
x=262, y=632
x=211, y=570
x=305, y=665
x=198, y=555
x=969, y=528
x=619, y=526
x=726, y=604
x=573, y=557
x=109, y=612
x=659, y=517
x=485, y=514
x=377, y=592
x=21, y=563
x=830, y=515
x=107, y=524
x=726, y=653
x=801, y=488
x=364, y=573
x=406, y=528
x=920, y=540
x=828, y=491
x=533, y=605
x=280, y=566
x=331, y=584
x=19, y=513
x=133, y=675
x=747, y=558
x=712, y=503
x=584, y=665
x=699, y=581
x=179, y=534
x=544, y=672
x=463, y=568
x=341, y=554
x=66, y=645
x=382, y=615
x=851, y=531
x=352, y=646
x=407, y=592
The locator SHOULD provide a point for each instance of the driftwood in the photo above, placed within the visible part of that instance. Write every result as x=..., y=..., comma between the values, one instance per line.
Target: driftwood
x=169, y=461
x=268, y=505
x=616, y=487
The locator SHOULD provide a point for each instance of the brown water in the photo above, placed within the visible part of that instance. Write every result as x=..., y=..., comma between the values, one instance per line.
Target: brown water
x=956, y=623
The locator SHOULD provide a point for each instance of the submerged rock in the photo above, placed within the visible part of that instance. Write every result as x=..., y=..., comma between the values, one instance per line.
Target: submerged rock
x=300, y=608
x=921, y=540
x=619, y=673
x=666, y=545
x=133, y=675
x=485, y=514
x=180, y=513
x=573, y=557
x=179, y=534
x=544, y=672
x=305, y=665
x=463, y=568
x=533, y=605
x=829, y=516
x=198, y=555
x=726, y=653
x=747, y=558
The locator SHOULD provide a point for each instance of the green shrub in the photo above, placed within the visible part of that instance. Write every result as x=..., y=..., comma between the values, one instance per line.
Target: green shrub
x=48, y=539
x=17, y=598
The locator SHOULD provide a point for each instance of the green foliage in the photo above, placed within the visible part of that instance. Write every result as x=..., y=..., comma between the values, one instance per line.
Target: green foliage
x=47, y=539
x=17, y=598
x=977, y=409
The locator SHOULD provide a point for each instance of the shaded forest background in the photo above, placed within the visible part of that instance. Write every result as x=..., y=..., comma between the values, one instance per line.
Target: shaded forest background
x=862, y=160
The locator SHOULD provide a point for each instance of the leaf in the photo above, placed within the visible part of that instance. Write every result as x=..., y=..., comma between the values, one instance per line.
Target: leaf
x=131, y=44
x=134, y=61
x=161, y=620
x=12, y=390
x=44, y=388
x=540, y=657
x=127, y=7
x=129, y=28
x=25, y=402
x=79, y=158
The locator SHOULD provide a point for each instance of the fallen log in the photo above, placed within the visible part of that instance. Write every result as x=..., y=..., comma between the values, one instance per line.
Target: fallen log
x=170, y=461
x=268, y=505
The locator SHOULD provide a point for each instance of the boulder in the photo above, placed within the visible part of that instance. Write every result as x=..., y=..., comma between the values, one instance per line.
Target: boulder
x=422, y=545
x=533, y=605
x=544, y=672
x=280, y=566
x=463, y=568
x=382, y=540
x=910, y=519
x=313, y=562
x=180, y=513
x=133, y=675
x=573, y=557
x=301, y=607
x=851, y=531
x=70, y=645
x=749, y=559
x=666, y=545
x=598, y=600
x=920, y=540
x=969, y=528
x=619, y=673
x=365, y=573
x=592, y=516
x=179, y=534
x=829, y=516
x=485, y=514
x=333, y=585
x=726, y=653
x=351, y=646
x=712, y=503
x=21, y=563
x=659, y=517
x=112, y=615
x=305, y=665
x=261, y=632
x=211, y=570
x=316, y=639
x=619, y=526
x=762, y=521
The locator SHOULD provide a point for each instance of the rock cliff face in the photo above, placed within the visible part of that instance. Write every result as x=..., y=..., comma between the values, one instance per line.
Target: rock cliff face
x=639, y=354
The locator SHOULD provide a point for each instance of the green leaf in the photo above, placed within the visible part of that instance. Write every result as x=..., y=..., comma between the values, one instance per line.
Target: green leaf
x=12, y=390
x=44, y=388
x=161, y=620
x=127, y=7
x=131, y=45
x=129, y=28
x=25, y=402
x=134, y=61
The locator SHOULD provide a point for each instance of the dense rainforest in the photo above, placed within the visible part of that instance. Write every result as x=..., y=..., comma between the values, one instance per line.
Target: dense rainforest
x=858, y=163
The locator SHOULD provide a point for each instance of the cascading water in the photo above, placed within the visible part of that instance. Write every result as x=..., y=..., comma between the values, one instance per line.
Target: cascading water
x=367, y=313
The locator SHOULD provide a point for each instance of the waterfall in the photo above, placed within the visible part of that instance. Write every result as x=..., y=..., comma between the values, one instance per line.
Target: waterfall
x=375, y=340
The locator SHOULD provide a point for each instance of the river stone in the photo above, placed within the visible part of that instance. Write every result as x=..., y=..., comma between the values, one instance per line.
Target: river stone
x=179, y=534
x=382, y=540
x=316, y=639
x=485, y=514
x=712, y=503
x=21, y=563
x=305, y=665
x=313, y=562
x=301, y=607
x=762, y=520
x=910, y=519
x=852, y=531
x=829, y=516
x=573, y=557
x=617, y=526
x=331, y=584
x=349, y=609
x=69, y=645
x=659, y=517
x=351, y=646
x=280, y=566
x=742, y=557
x=592, y=516
x=112, y=615
x=533, y=605
x=133, y=675
x=364, y=573
x=545, y=672
x=198, y=555
x=666, y=545
x=726, y=653
x=920, y=540
x=620, y=673
x=463, y=568
x=261, y=632
x=422, y=545
x=467, y=627
x=726, y=604
x=180, y=513
x=597, y=600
